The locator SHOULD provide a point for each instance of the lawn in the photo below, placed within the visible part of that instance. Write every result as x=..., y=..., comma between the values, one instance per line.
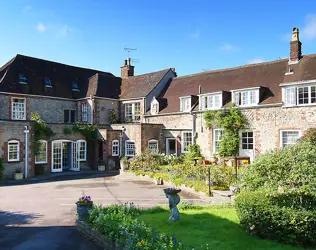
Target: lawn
x=216, y=226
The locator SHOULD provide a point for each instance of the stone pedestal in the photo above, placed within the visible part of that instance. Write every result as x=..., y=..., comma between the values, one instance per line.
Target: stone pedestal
x=174, y=200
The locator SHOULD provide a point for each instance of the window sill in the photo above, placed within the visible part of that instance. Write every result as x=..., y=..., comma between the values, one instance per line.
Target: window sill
x=41, y=162
x=24, y=119
x=13, y=161
x=299, y=105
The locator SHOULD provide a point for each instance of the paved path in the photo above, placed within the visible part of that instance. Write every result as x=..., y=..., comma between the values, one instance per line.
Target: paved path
x=42, y=215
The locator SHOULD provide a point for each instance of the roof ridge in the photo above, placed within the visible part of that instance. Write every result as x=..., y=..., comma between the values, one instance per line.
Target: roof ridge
x=149, y=73
x=64, y=64
x=232, y=68
x=7, y=63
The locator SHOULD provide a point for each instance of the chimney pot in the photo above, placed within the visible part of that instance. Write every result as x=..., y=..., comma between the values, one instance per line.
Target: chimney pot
x=295, y=46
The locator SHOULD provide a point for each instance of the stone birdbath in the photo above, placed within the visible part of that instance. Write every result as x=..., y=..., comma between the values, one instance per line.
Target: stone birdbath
x=174, y=200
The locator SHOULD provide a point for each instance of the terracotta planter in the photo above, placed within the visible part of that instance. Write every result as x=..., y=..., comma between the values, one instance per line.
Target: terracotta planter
x=18, y=176
x=83, y=210
x=101, y=168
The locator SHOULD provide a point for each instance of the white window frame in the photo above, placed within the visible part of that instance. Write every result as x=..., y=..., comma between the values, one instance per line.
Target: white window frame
x=126, y=143
x=183, y=151
x=80, y=150
x=84, y=112
x=288, y=130
x=295, y=95
x=151, y=142
x=45, y=161
x=239, y=94
x=24, y=108
x=133, y=116
x=18, y=151
x=154, y=109
x=115, y=144
x=247, y=143
x=210, y=101
x=189, y=104
x=214, y=141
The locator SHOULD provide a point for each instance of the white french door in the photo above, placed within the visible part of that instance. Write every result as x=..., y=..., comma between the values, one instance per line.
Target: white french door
x=247, y=144
x=57, y=159
x=75, y=166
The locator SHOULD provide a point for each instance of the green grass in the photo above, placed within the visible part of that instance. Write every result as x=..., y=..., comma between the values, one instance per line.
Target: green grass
x=217, y=226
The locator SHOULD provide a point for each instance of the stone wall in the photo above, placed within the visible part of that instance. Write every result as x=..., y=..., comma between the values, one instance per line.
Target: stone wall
x=4, y=107
x=265, y=122
x=102, y=110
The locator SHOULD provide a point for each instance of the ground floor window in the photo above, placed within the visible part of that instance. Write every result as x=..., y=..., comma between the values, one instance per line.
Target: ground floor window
x=186, y=141
x=130, y=148
x=13, y=150
x=115, y=148
x=41, y=155
x=289, y=137
x=82, y=148
x=217, y=134
x=247, y=140
x=153, y=146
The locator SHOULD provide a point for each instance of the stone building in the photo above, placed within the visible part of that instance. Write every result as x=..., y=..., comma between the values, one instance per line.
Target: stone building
x=158, y=110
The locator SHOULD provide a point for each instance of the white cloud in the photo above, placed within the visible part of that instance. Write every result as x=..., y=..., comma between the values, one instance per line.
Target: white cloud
x=309, y=30
x=27, y=8
x=256, y=60
x=228, y=47
x=41, y=27
x=195, y=34
x=64, y=31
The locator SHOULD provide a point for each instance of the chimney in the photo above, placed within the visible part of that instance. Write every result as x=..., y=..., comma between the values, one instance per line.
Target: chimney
x=295, y=45
x=127, y=70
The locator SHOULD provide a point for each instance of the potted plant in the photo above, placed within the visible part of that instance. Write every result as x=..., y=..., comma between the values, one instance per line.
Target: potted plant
x=18, y=175
x=84, y=204
x=101, y=165
x=124, y=163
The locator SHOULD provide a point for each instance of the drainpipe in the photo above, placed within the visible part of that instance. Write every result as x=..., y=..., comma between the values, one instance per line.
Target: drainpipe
x=26, y=131
x=92, y=109
x=193, y=128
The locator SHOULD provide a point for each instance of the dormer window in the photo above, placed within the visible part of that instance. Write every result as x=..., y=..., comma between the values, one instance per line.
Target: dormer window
x=211, y=101
x=299, y=95
x=246, y=97
x=48, y=82
x=22, y=79
x=154, y=107
x=75, y=86
x=185, y=104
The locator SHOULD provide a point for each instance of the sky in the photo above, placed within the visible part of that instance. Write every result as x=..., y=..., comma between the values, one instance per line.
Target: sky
x=190, y=36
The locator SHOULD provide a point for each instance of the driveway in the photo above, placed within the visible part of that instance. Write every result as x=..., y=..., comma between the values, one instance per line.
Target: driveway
x=42, y=215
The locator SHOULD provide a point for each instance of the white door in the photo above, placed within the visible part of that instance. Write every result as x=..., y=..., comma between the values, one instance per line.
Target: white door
x=246, y=148
x=75, y=166
x=57, y=159
x=171, y=146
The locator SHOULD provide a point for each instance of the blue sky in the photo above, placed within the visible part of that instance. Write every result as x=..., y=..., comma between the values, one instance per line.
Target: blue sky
x=191, y=36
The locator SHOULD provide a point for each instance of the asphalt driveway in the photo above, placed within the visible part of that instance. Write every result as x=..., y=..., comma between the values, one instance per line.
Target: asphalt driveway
x=42, y=215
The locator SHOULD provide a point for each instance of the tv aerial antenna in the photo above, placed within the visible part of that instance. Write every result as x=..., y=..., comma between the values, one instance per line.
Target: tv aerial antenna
x=129, y=50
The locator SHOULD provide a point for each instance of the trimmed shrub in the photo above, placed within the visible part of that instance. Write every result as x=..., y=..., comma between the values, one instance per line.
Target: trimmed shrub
x=271, y=215
x=278, y=194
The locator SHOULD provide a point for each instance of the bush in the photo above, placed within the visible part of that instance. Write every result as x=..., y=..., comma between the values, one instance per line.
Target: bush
x=292, y=167
x=278, y=195
x=194, y=152
x=1, y=169
x=270, y=215
x=222, y=175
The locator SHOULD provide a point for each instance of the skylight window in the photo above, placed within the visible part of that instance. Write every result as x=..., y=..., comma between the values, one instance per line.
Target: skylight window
x=48, y=82
x=75, y=86
x=22, y=79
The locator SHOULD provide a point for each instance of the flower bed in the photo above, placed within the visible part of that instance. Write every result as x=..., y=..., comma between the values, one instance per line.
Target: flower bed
x=120, y=224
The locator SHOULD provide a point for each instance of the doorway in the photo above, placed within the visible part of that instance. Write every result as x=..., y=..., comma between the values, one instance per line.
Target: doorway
x=171, y=146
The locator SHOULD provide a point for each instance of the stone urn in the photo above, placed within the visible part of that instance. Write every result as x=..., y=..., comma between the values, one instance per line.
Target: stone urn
x=101, y=168
x=174, y=200
x=18, y=176
x=83, y=210
x=124, y=163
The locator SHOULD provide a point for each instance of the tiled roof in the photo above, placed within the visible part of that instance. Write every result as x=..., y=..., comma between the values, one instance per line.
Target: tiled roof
x=269, y=75
x=61, y=76
x=141, y=85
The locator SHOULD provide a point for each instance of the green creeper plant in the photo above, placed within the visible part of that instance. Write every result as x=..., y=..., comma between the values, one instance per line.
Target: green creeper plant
x=232, y=121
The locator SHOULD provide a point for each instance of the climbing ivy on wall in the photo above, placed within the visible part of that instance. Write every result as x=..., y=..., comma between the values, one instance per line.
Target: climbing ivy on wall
x=232, y=121
x=87, y=130
x=40, y=131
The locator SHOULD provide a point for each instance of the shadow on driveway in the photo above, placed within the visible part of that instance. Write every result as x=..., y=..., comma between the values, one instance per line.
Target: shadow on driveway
x=64, y=176
x=18, y=233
